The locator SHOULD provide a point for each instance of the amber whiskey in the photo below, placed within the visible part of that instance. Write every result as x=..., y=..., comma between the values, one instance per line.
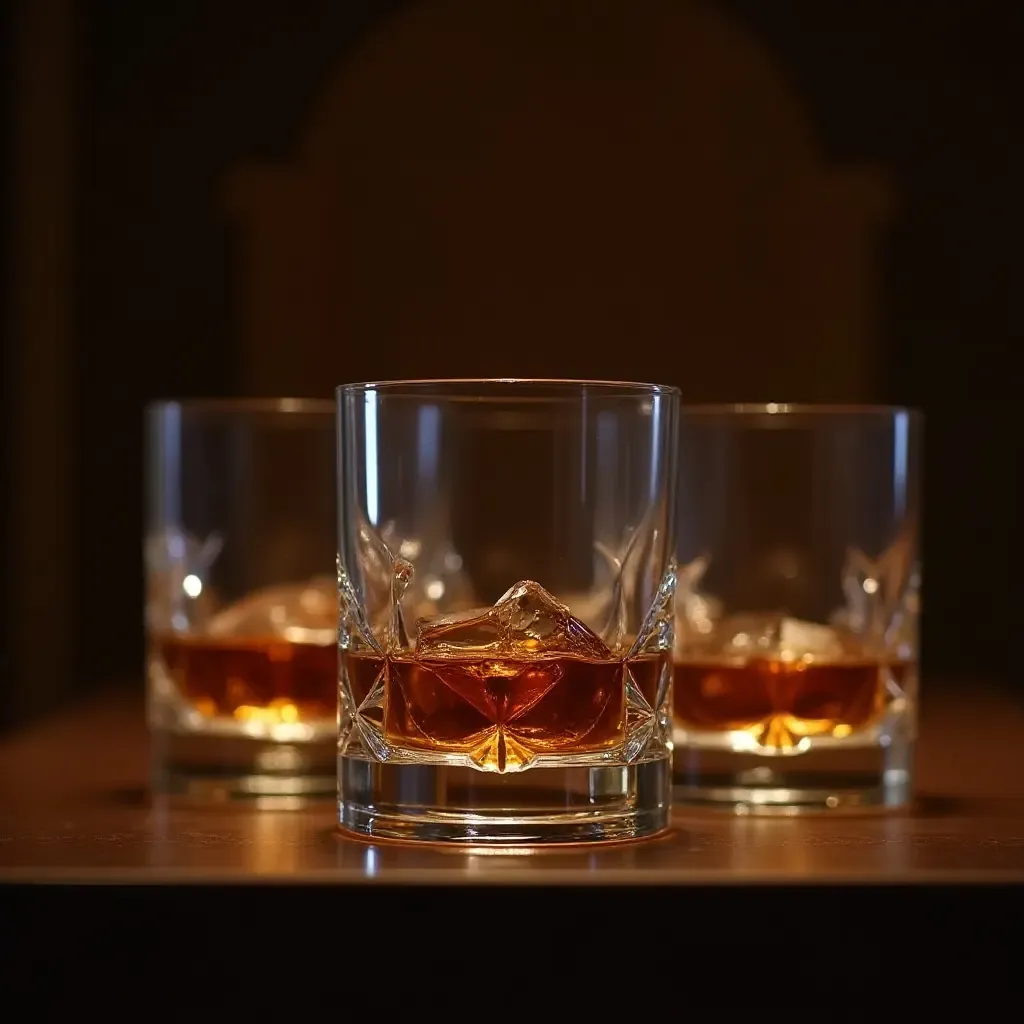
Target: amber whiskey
x=779, y=702
x=263, y=679
x=503, y=712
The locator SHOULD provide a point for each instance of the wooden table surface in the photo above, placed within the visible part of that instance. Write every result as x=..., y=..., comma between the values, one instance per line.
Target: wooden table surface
x=74, y=809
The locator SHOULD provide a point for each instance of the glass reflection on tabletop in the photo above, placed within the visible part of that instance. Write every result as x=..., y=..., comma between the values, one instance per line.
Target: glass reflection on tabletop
x=396, y=860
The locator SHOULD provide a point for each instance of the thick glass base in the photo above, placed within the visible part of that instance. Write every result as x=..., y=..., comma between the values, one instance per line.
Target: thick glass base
x=440, y=803
x=834, y=779
x=223, y=768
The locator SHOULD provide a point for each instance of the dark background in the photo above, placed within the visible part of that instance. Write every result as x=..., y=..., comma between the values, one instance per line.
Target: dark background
x=166, y=97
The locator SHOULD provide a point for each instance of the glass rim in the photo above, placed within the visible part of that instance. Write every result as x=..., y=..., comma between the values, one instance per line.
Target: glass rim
x=244, y=406
x=459, y=386
x=811, y=410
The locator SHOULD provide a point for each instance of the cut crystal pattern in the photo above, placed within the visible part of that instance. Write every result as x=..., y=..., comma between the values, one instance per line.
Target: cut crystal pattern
x=521, y=683
x=179, y=596
x=769, y=683
x=882, y=597
x=370, y=717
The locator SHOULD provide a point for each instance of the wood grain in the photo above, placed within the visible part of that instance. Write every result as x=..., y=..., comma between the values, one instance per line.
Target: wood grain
x=74, y=808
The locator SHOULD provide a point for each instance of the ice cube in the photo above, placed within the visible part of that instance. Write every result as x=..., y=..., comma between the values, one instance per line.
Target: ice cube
x=524, y=622
x=468, y=631
x=593, y=608
x=802, y=641
x=778, y=637
x=301, y=613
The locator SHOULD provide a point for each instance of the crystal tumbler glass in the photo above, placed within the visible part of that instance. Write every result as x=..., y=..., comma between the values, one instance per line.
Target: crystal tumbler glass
x=506, y=584
x=241, y=603
x=797, y=608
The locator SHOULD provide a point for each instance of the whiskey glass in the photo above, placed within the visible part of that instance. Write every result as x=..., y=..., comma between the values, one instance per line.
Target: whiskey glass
x=506, y=583
x=797, y=607
x=241, y=603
